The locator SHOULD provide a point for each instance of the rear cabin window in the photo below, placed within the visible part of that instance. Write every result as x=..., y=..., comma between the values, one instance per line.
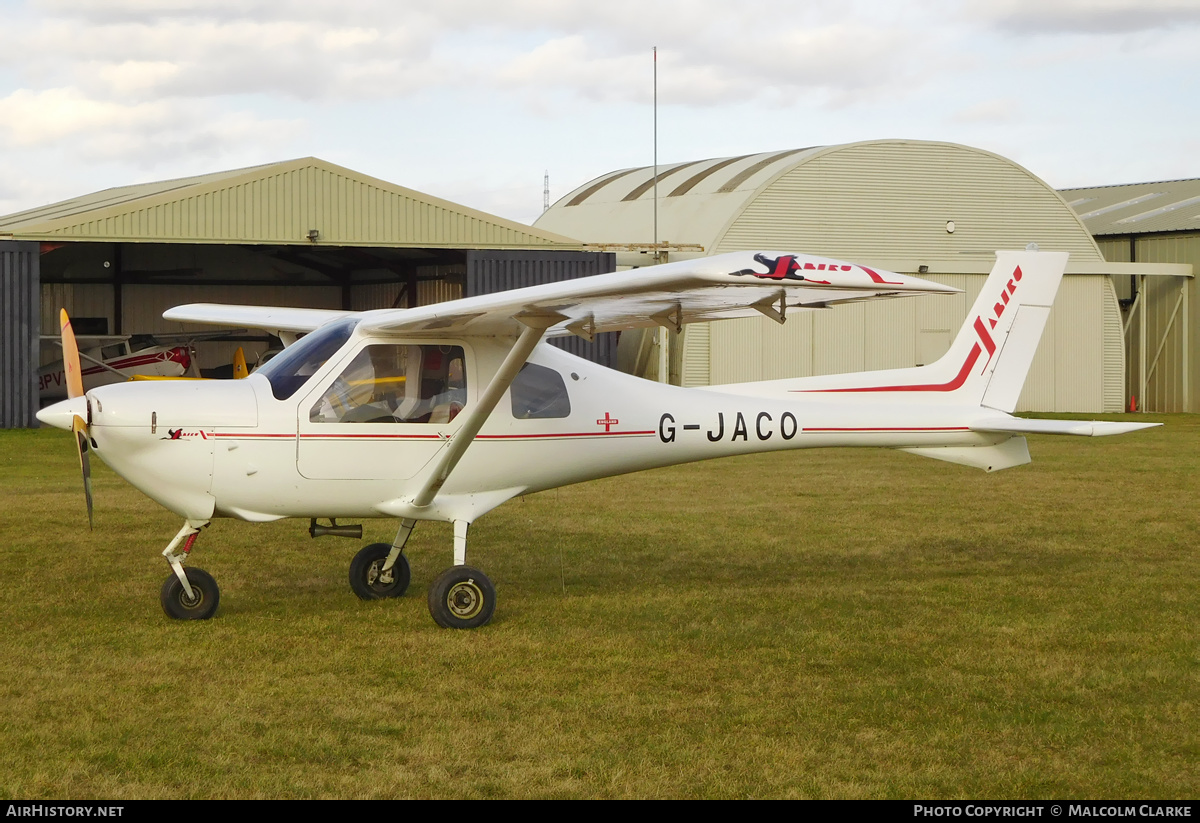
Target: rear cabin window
x=396, y=384
x=539, y=393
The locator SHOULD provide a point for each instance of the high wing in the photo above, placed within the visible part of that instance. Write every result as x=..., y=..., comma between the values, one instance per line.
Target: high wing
x=738, y=284
x=276, y=320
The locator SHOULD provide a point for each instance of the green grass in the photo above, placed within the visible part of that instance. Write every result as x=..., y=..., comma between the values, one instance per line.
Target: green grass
x=823, y=624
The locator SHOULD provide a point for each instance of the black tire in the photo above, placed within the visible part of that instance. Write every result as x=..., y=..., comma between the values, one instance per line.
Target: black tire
x=175, y=601
x=364, y=573
x=462, y=598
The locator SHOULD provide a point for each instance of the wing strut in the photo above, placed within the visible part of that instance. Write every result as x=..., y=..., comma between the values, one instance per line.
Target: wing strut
x=531, y=335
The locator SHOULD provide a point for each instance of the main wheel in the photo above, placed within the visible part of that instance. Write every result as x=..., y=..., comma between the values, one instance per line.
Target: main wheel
x=200, y=606
x=366, y=578
x=462, y=598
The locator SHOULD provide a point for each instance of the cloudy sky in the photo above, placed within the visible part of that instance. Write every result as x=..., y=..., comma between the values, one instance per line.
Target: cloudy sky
x=474, y=100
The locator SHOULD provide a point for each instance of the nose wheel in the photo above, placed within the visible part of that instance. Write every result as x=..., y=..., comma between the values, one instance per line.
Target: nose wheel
x=190, y=594
x=198, y=604
x=370, y=577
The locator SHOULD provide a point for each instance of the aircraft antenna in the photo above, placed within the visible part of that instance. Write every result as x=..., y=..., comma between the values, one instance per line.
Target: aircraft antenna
x=655, y=52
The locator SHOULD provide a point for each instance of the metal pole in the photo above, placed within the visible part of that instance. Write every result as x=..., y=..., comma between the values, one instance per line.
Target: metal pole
x=656, y=154
x=1142, y=346
x=664, y=339
x=1187, y=394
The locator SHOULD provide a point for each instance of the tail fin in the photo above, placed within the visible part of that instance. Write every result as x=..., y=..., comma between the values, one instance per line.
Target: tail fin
x=987, y=362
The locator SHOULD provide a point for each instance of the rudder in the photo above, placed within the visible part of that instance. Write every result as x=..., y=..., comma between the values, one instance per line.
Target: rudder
x=991, y=355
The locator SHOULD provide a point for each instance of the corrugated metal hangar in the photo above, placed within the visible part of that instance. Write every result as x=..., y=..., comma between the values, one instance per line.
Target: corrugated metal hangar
x=301, y=233
x=936, y=210
x=1152, y=223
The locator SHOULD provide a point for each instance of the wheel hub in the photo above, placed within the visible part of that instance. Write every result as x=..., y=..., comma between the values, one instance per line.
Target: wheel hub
x=377, y=578
x=465, y=600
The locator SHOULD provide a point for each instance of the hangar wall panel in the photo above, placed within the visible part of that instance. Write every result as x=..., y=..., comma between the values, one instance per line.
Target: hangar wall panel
x=19, y=330
x=80, y=300
x=1166, y=389
x=490, y=271
x=1114, y=350
x=375, y=296
x=1073, y=368
x=697, y=371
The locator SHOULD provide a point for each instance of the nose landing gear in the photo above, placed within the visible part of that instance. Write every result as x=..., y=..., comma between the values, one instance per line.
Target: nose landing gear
x=190, y=595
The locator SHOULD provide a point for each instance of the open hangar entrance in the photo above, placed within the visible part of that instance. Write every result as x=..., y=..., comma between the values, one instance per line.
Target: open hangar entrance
x=303, y=233
x=123, y=288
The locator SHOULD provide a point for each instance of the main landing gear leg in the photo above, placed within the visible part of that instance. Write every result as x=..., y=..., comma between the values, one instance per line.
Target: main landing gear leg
x=461, y=597
x=191, y=595
x=380, y=570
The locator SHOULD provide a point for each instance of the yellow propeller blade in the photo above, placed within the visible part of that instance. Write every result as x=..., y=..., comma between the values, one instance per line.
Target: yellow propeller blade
x=71, y=368
x=79, y=428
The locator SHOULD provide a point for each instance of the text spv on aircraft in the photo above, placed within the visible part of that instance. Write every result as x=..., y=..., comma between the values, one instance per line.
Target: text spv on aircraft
x=762, y=426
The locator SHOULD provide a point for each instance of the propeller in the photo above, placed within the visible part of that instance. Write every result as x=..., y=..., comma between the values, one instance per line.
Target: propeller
x=239, y=364
x=74, y=378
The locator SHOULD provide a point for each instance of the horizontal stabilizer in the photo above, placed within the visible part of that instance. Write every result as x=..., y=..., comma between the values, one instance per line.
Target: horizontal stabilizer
x=1012, y=452
x=1081, y=428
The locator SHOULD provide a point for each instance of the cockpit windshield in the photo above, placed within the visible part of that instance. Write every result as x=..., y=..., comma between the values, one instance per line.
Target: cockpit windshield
x=291, y=368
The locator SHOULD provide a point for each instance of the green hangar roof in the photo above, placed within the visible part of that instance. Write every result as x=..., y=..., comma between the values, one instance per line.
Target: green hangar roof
x=897, y=203
x=1138, y=208
x=277, y=204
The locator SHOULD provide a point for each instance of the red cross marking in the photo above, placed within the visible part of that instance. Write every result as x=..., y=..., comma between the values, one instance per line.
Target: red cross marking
x=607, y=422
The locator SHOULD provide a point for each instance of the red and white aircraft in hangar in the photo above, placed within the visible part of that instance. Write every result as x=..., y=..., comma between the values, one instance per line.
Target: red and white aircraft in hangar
x=444, y=412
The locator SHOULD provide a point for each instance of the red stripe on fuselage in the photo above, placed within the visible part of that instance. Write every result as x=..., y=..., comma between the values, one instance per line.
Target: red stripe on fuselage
x=889, y=429
x=956, y=383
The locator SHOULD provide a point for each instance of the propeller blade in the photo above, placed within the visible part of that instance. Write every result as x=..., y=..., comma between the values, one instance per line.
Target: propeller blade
x=81, y=443
x=239, y=364
x=71, y=367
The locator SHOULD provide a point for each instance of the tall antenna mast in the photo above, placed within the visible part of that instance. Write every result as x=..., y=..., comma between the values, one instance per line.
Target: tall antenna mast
x=656, y=256
x=546, y=192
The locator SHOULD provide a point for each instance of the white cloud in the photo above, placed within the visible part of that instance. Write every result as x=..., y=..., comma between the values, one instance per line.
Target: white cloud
x=989, y=111
x=144, y=135
x=1087, y=16
x=29, y=118
x=482, y=91
x=334, y=50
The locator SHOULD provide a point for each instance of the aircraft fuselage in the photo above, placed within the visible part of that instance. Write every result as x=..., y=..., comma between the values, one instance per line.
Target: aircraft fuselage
x=208, y=449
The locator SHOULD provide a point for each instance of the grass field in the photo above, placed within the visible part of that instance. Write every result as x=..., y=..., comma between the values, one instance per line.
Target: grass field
x=823, y=624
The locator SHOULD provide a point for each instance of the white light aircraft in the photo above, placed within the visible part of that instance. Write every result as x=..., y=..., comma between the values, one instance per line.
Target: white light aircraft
x=112, y=359
x=443, y=412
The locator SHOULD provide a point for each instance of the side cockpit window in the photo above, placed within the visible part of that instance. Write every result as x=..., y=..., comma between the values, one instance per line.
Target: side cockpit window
x=539, y=393
x=396, y=384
